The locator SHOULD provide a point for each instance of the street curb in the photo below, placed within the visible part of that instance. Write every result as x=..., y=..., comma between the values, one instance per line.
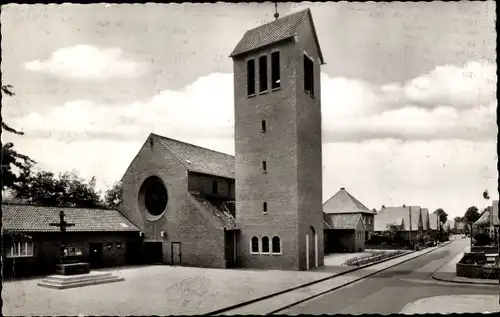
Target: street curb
x=354, y=281
x=463, y=282
x=457, y=282
x=222, y=310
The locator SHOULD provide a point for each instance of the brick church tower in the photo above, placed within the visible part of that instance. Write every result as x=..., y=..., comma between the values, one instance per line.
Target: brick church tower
x=278, y=145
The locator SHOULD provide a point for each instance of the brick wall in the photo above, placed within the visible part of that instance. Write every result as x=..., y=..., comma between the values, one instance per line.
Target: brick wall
x=46, y=251
x=203, y=184
x=202, y=242
x=292, y=148
x=277, y=146
x=308, y=112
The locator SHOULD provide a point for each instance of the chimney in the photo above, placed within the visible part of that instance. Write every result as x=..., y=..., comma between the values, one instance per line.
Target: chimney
x=342, y=188
x=383, y=206
x=404, y=206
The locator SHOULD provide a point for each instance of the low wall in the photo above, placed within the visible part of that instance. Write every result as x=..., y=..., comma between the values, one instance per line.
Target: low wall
x=485, y=249
x=385, y=247
x=473, y=265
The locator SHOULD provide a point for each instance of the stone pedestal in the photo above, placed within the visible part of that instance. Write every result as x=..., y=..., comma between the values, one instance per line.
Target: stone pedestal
x=79, y=280
x=72, y=268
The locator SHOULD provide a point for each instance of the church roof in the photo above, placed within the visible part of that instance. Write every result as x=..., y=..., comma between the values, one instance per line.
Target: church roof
x=274, y=32
x=199, y=159
x=344, y=203
x=343, y=221
x=31, y=218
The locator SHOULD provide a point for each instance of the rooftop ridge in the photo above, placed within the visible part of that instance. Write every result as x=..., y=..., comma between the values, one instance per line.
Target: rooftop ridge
x=52, y=206
x=190, y=144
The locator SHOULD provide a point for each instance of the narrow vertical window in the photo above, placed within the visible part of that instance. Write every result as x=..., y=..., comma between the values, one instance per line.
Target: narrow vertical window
x=308, y=76
x=251, y=77
x=275, y=70
x=264, y=166
x=263, y=74
x=265, y=245
x=255, y=245
x=263, y=125
x=276, y=245
x=264, y=207
x=215, y=187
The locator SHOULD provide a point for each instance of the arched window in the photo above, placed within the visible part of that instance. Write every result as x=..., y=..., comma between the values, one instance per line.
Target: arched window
x=215, y=187
x=276, y=245
x=265, y=245
x=255, y=245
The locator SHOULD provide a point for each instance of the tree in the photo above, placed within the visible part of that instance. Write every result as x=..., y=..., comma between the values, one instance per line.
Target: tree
x=471, y=215
x=66, y=190
x=11, y=158
x=113, y=196
x=443, y=216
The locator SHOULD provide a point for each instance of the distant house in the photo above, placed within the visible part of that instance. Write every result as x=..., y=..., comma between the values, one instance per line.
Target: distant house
x=346, y=204
x=483, y=222
x=434, y=225
x=386, y=218
x=32, y=246
x=460, y=227
x=448, y=225
x=344, y=233
x=412, y=223
x=425, y=219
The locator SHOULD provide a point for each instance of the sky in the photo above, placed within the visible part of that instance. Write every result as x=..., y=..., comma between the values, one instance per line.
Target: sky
x=408, y=90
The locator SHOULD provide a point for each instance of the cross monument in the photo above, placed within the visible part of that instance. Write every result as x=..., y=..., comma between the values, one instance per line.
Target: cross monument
x=62, y=224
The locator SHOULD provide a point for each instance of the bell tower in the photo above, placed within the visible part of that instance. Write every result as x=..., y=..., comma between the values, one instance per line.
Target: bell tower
x=278, y=144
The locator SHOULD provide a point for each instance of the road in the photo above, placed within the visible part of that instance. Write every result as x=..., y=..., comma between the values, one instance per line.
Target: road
x=391, y=290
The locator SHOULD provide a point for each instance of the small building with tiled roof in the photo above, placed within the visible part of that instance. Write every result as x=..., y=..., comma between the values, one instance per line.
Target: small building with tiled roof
x=181, y=196
x=345, y=203
x=32, y=245
x=344, y=232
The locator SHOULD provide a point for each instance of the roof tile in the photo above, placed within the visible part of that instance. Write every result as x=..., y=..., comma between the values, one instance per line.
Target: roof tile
x=344, y=221
x=199, y=159
x=30, y=218
x=344, y=203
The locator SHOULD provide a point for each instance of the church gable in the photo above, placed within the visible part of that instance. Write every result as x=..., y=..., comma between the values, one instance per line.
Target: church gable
x=308, y=38
x=156, y=165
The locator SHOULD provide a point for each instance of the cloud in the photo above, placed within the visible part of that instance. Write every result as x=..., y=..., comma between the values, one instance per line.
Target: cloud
x=378, y=141
x=87, y=62
x=352, y=110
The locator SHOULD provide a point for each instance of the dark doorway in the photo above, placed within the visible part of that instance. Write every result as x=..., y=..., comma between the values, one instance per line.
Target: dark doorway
x=230, y=248
x=95, y=255
x=176, y=253
x=133, y=253
x=153, y=252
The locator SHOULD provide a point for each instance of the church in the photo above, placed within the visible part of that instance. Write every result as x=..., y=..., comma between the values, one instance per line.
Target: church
x=190, y=206
x=261, y=208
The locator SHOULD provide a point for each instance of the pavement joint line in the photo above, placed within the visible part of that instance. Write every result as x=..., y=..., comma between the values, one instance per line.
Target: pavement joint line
x=353, y=281
x=233, y=307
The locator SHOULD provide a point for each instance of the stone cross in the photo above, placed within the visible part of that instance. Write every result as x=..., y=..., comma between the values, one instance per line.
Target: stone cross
x=62, y=224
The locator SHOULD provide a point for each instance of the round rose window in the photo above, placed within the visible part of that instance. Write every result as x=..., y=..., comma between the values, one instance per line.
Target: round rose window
x=153, y=195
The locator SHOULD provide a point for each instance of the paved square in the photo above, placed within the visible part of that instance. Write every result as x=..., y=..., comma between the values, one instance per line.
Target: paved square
x=153, y=290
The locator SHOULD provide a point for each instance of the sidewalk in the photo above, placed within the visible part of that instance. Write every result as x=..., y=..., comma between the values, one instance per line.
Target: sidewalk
x=280, y=302
x=447, y=273
x=454, y=304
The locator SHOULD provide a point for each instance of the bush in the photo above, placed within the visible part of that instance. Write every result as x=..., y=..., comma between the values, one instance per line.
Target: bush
x=482, y=238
